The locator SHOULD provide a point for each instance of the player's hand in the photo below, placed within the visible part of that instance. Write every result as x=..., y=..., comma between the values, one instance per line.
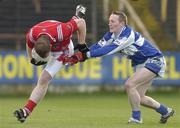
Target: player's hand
x=77, y=57
x=36, y=63
x=67, y=60
x=80, y=11
x=72, y=60
x=82, y=48
x=81, y=57
x=63, y=58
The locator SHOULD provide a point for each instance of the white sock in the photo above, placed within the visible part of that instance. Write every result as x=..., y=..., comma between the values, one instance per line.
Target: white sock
x=38, y=93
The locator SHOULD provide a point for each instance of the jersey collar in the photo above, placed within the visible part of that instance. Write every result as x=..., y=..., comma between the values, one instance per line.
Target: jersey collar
x=115, y=37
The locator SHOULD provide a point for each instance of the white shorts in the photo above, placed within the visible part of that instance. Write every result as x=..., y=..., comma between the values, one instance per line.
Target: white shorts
x=54, y=65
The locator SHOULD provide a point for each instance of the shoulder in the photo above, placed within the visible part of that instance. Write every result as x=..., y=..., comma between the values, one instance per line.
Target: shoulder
x=107, y=36
x=78, y=21
x=126, y=32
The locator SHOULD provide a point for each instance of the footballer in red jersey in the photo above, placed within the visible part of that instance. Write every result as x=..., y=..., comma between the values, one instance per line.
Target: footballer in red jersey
x=49, y=42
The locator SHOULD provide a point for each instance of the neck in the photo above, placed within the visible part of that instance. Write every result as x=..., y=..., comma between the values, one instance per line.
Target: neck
x=119, y=32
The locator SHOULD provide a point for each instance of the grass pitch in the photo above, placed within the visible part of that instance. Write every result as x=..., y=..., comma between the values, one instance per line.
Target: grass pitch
x=100, y=110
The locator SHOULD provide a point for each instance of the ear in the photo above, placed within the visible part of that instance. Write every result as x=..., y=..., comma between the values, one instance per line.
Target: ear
x=122, y=23
x=50, y=47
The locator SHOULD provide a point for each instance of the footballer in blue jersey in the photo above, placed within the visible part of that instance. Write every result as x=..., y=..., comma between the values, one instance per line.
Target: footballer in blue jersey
x=148, y=61
x=133, y=45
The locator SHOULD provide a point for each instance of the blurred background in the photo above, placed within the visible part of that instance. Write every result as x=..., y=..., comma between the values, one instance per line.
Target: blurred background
x=158, y=20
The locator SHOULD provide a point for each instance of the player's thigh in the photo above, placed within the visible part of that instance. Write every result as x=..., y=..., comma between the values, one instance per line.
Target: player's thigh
x=140, y=77
x=70, y=50
x=53, y=66
x=44, y=78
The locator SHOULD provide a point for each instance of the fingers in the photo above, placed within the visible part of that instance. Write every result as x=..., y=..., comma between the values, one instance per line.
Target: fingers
x=72, y=61
x=36, y=63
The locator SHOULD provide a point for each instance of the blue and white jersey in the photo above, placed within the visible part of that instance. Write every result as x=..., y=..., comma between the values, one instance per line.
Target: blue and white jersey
x=128, y=42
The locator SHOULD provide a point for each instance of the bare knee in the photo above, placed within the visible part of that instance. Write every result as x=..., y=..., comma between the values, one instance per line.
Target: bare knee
x=129, y=85
x=44, y=79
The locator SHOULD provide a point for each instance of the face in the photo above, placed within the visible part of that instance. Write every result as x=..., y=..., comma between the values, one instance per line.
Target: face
x=115, y=25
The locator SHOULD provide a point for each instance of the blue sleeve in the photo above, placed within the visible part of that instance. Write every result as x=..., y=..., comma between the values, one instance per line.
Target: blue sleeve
x=103, y=50
x=97, y=45
x=107, y=36
x=100, y=48
x=94, y=46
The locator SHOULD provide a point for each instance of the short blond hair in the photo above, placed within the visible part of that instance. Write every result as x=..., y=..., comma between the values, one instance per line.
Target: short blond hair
x=122, y=16
x=42, y=46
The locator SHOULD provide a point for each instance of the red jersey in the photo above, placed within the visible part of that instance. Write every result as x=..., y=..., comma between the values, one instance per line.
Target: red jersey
x=59, y=33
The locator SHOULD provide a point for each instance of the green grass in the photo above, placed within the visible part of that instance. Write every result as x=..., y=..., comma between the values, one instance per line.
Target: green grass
x=107, y=110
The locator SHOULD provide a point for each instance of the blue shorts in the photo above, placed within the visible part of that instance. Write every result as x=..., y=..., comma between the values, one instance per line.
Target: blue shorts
x=156, y=64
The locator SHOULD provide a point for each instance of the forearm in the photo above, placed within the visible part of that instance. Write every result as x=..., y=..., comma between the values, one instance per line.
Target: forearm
x=81, y=23
x=98, y=52
x=81, y=36
x=81, y=30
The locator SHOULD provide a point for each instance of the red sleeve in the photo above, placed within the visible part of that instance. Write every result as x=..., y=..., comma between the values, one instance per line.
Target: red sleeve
x=28, y=41
x=73, y=24
x=69, y=28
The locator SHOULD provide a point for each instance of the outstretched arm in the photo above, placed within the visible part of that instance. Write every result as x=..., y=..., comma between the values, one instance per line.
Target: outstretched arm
x=81, y=23
x=115, y=46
